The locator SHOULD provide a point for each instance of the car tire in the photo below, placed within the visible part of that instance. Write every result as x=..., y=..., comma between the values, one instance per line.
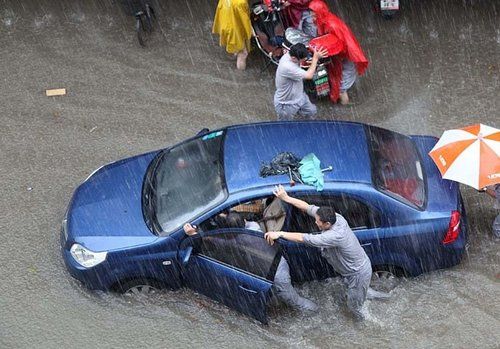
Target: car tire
x=388, y=16
x=385, y=271
x=387, y=277
x=139, y=287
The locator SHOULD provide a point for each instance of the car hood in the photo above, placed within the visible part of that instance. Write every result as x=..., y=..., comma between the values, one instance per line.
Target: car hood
x=108, y=204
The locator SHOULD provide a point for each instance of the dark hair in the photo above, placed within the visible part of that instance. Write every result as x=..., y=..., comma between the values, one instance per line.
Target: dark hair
x=327, y=214
x=235, y=220
x=299, y=51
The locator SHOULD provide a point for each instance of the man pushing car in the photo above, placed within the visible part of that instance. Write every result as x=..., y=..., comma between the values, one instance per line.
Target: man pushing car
x=339, y=246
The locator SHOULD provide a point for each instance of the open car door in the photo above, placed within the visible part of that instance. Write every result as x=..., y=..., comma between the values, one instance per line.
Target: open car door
x=233, y=266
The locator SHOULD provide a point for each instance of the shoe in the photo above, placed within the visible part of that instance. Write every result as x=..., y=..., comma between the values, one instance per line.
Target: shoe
x=344, y=98
x=372, y=294
x=241, y=60
x=308, y=305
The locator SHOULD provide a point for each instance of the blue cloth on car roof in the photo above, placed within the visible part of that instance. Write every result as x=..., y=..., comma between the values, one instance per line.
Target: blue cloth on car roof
x=310, y=171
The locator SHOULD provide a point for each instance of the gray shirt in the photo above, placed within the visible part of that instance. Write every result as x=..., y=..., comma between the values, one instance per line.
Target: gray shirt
x=339, y=246
x=251, y=225
x=289, y=82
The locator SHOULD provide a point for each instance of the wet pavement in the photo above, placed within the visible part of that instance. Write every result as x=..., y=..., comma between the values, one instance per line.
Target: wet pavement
x=436, y=66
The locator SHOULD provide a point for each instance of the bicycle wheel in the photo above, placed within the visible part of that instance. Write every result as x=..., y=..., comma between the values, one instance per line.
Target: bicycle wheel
x=149, y=18
x=139, y=28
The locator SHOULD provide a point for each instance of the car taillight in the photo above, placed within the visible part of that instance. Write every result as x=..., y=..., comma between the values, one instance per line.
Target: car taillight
x=453, y=228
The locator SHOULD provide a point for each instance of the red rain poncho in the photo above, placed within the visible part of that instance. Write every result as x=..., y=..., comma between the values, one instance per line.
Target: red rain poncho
x=293, y=12
x=328, y=23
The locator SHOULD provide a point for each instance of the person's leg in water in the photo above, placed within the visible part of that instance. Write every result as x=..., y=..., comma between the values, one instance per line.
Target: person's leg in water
x=286, y=112
x=496, y=227
x=307, y=108
x=241, y=59
x=357, y=289
x=372, y=294
x=286, y=292
x=343, y=97
x=349, y=76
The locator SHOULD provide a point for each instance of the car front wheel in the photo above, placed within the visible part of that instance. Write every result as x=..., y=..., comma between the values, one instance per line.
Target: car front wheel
x=139, y=288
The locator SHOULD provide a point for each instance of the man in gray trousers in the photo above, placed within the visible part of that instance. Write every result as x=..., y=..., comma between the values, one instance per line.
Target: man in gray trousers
x=339, y=246
x=290, y=99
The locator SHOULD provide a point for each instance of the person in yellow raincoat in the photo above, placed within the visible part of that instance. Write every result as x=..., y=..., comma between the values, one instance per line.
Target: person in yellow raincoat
x=232, y=24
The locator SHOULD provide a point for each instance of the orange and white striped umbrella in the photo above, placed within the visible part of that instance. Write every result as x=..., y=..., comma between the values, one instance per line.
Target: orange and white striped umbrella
x=469, y=155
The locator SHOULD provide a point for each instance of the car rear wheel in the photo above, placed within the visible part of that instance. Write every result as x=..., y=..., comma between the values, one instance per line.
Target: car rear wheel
x=383, y=274
x=386, y=277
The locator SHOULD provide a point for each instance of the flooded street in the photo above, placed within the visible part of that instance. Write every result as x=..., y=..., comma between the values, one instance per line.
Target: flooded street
x=434, y=67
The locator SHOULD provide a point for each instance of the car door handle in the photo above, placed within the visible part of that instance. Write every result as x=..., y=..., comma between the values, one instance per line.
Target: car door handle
x=367, y=244
x=247, y=290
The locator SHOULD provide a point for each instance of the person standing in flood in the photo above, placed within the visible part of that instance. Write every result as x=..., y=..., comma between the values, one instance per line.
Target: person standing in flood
x=232, y=24
x=338, y=245
x=494, y=191
x=293, y=10
x=347, y=65
x=290, y=99
x=282, y=279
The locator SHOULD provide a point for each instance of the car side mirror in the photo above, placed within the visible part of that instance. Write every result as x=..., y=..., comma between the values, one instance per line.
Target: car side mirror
x=186, y=254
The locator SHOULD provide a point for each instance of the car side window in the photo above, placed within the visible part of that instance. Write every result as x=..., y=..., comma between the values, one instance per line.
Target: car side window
x=266, y=211
x=358, y=214
x=241, y=250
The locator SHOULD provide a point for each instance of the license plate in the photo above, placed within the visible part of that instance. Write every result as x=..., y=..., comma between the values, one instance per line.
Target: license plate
x=389, y=5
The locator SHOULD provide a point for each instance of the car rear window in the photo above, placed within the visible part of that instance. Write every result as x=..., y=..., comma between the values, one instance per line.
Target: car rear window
x=396, y=166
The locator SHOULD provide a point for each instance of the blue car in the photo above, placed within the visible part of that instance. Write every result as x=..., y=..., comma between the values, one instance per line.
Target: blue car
x=123, y=227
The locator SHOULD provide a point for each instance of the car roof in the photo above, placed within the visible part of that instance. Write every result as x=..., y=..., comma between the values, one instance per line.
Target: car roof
x=339, y=144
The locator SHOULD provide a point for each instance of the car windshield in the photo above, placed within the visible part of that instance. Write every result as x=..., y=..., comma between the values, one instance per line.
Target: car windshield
x=396, y=166
x=187, y=181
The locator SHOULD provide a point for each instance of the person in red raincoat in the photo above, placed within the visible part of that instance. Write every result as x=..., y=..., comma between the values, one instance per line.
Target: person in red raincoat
x=350, y=62
x=293, y=11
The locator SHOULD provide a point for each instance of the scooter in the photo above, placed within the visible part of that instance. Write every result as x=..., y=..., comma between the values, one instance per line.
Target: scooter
x=268, y=29
x=387, y=8
x=270, y=36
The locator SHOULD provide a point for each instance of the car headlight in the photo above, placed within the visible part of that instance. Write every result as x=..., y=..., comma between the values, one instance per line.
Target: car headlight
x=85, y=257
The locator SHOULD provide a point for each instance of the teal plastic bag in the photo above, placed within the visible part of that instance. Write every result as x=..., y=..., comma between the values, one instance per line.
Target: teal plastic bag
x=310, y=171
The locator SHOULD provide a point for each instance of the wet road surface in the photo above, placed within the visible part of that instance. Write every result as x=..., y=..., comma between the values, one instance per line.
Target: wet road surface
x=436, y=66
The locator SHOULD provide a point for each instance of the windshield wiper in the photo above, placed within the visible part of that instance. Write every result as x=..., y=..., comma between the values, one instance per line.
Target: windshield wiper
x=149, y=195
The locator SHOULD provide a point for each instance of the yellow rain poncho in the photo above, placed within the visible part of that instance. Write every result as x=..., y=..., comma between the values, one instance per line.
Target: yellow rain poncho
x=232, y=23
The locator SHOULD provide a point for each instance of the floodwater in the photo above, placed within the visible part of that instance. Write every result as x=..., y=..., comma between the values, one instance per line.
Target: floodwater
x=436, y=66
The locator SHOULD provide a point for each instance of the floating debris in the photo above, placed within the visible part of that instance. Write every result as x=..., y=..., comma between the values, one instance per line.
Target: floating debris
x=55, y=92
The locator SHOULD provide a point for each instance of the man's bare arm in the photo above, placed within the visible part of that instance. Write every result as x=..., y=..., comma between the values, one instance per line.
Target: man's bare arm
x=273, y=235
x=281, y=194
x=190, y=229
x=321, y=53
